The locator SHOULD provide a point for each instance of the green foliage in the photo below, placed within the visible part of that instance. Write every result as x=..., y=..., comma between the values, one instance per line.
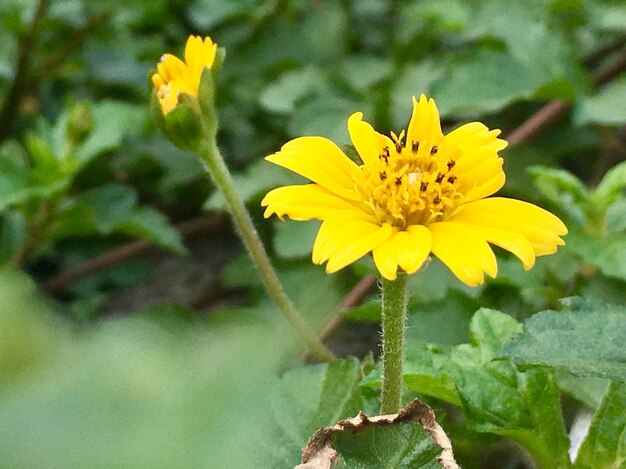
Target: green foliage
x=605, y=444
x=131, y=392
x=401, y=446
x=586, y=341
x=309, y=398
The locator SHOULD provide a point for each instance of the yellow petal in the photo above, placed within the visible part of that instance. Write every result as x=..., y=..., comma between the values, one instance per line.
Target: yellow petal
x=171, y=67
x=307, y=201
x=354, y=240
x=463, y=251
x=385, y=260
x=539, y=226
x=321, y=161
x=424, y=126
x=515, y=243
x=412, y=247
x=471, y=138
x=199, y=54
x=486, y=187
x=368, y=143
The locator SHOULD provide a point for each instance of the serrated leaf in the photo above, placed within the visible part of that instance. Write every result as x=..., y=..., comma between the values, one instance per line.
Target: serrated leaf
x=405, y=446
x=585, y=342
x=498, y=398
x=309, y=398
x=427, y=372
x=605, y=443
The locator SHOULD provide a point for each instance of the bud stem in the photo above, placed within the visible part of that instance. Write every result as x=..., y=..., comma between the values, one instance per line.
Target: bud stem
x=395, y=299
x=216, y=167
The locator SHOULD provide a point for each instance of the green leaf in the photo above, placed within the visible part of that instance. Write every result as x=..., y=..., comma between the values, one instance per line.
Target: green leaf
x=603, y=108
x=366, y=312
x=112, y=208
x=113, y=121
x=586, y=342
x=498, y=398
x=608, y=253
x=283, y=95
x=605, y=444
x=326, y=114
x=18, y=185
x=587, y=389
x=427, y=372
x=151, y=225
x=612, y=185
x=307, y=399
x=402, y=446
x=563, y=189
x=484, y=81
x=412, y=80
x=295, y=239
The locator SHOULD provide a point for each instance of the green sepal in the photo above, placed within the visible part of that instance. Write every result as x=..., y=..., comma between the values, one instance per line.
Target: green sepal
x=216, y=68
x=183, y=126
x=206, y=101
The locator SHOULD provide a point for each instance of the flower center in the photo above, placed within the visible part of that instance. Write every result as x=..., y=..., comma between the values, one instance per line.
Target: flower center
x=411, y=184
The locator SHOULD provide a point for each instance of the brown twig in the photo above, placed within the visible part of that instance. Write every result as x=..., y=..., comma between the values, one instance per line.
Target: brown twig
x=556, y=109
x=20, y=83
x=188, y=228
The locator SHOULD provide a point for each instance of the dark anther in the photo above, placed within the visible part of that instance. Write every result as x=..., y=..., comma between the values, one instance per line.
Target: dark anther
x=423, y=186
x=386, y=151
x=451, y=164
x=437, y=200
x=398, y=147
x=451, y=179
x=434, y=150
x=398, y=180
x=415, y=146
x=384, y=157
x=439, y=178
x=383, y=175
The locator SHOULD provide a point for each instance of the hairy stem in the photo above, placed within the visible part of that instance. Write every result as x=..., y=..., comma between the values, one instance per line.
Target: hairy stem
x=395, y=299
x=224, y=182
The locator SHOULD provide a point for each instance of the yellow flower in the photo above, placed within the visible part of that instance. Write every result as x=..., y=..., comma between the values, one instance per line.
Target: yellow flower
x=415, y=193
x=175, y=76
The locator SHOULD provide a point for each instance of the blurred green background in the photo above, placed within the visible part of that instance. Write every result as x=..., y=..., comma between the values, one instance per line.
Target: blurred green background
x=132, y=332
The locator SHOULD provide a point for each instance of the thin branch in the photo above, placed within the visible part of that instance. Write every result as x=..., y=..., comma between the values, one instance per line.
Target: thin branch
x=188, y=228
x=19, y=85
x=556, y=109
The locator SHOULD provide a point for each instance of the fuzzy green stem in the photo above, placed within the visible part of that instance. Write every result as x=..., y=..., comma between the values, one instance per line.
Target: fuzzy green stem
x=224, y=182
x=395, y=299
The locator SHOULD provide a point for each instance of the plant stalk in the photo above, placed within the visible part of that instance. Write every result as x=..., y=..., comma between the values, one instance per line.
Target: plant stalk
x=395, y=298
x=221, y=176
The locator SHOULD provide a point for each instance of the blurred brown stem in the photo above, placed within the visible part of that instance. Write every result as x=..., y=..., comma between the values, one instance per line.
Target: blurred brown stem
x=20, y=83
x=188, y=228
